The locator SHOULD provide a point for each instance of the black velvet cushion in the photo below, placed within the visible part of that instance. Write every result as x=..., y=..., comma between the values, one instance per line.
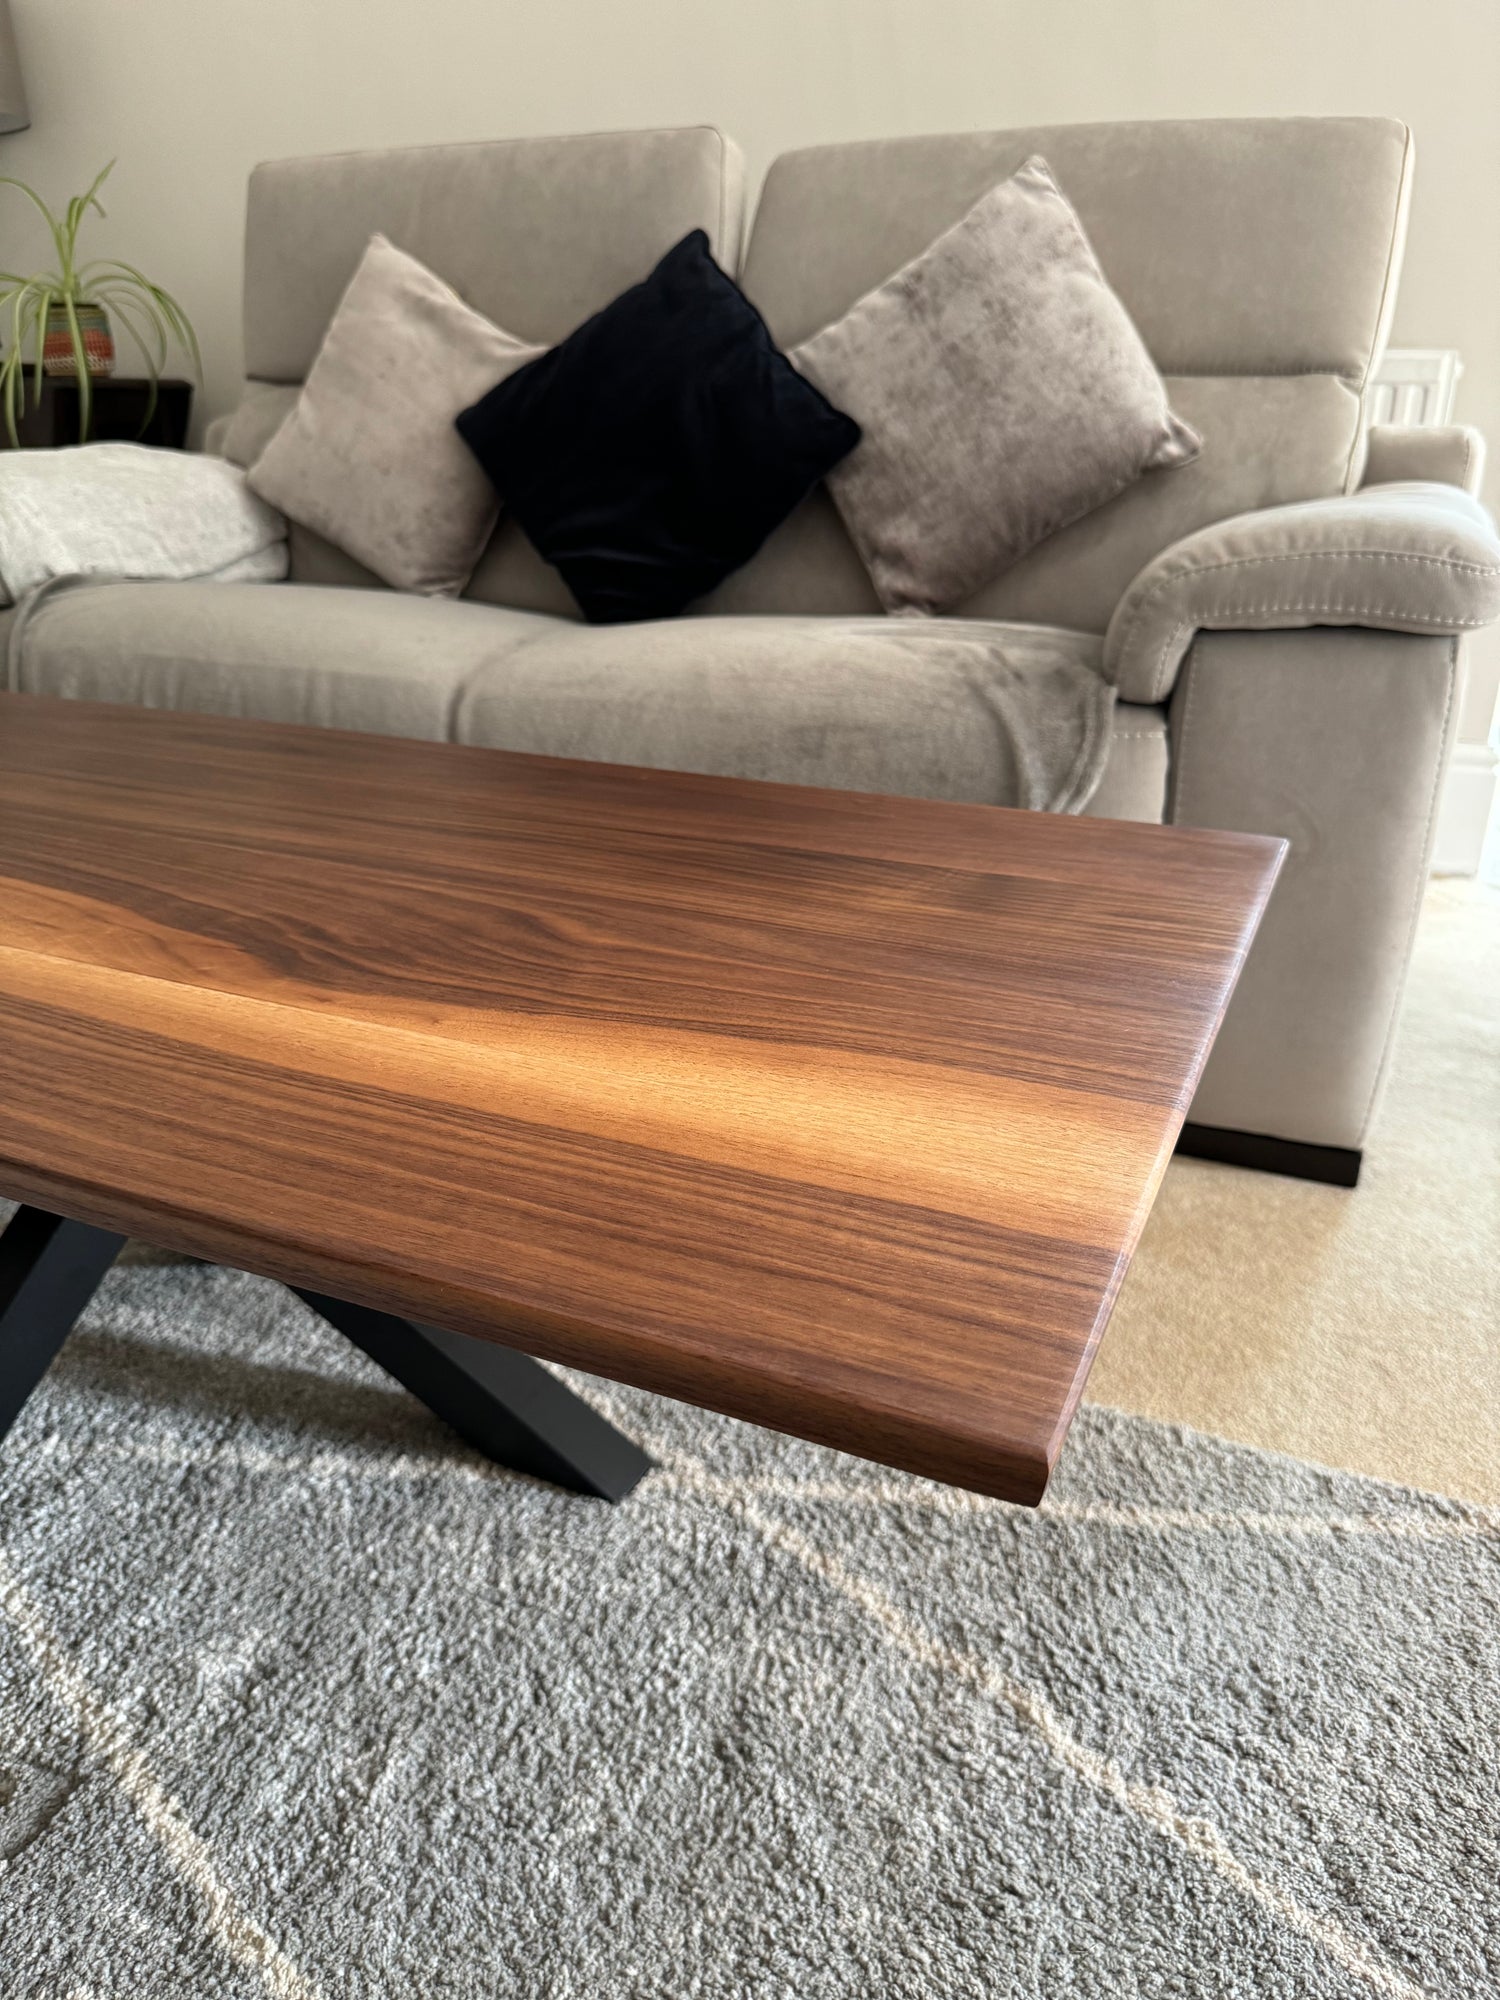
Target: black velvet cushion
x=653, y=451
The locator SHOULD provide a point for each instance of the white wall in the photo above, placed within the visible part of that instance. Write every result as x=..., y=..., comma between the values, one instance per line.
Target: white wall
x=189, y=93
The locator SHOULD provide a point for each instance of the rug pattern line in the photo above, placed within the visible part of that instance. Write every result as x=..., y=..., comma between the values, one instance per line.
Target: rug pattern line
x=1154, y=1805
x=1468, y=1524
x=1464, y=1526
x=104, y=1731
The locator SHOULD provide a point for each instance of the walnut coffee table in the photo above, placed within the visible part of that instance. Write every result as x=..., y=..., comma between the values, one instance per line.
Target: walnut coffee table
x=834, y=1112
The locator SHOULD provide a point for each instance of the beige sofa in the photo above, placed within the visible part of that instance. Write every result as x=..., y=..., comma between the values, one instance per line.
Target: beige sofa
x=1294, y=674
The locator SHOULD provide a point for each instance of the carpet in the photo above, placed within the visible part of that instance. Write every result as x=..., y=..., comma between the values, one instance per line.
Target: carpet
x=1360, y=1329
x=299, y=1698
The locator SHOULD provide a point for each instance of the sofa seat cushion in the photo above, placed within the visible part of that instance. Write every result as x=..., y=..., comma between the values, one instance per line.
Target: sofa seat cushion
x=344, y=659
x=939, y=709
x=948, y=709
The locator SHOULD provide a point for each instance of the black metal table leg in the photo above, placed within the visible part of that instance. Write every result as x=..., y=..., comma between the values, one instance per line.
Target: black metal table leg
x=507, y=1405
x=49, y=1270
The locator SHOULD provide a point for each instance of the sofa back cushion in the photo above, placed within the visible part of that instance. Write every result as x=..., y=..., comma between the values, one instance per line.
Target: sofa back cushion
x=536, y=234
x=1258, y=258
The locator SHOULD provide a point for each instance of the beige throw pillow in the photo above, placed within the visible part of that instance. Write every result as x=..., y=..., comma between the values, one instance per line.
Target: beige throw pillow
x=368, y=456
x=1003, y=391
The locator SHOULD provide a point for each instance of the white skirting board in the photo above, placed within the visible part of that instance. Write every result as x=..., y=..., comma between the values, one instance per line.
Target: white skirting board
x=1465, y=810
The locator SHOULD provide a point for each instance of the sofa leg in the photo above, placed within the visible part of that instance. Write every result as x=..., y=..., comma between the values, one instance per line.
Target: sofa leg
x=1337, y=1165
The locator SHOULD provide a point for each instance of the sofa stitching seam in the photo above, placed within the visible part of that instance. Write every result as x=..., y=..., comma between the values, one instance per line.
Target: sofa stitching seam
x=1387, y=286
x=1419, y=882
x=1402, y=206
x=1414, y=627
x=1211, y=373
x=1180, y=760
x=725, y=197
x=1453, y=564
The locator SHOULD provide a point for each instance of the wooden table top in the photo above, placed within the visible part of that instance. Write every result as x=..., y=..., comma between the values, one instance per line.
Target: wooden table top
x=835, y=1112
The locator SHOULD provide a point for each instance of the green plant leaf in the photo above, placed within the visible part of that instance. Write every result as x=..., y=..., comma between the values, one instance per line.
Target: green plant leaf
x=147, y=312
x=177, y=320
x=150, y=337
x=9, y=180
x=134, y=317
x=85, y=381
x=40, y=313
x=78, y=207
x=8, y=372
x=125, y=313
x=24, y=283
x=22, y=307
x=20, y=318
x=137, y=309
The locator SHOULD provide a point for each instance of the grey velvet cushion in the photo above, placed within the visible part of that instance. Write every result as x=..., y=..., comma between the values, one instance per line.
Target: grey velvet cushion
x=368, y=456
x=1003, y=392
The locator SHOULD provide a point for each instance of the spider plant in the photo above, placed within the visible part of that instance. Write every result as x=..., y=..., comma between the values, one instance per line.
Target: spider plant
x=149, y=314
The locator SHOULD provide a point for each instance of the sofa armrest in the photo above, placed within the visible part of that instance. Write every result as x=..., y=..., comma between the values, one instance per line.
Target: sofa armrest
x=1408, y=557
x=1448, y=454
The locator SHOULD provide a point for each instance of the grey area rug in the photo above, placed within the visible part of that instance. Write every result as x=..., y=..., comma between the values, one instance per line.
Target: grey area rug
x=298, y=1697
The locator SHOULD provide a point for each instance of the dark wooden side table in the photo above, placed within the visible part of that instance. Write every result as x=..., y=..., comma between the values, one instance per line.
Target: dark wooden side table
x=120, y=406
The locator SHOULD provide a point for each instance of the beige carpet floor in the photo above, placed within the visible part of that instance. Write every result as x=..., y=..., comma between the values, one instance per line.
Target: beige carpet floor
x=1358, y=1329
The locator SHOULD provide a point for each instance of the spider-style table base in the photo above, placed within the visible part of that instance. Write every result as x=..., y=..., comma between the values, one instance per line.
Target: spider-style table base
x=504, y=1404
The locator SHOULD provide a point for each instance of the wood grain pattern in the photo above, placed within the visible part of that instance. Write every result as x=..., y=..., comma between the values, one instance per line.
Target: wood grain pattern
x=838, y=1113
